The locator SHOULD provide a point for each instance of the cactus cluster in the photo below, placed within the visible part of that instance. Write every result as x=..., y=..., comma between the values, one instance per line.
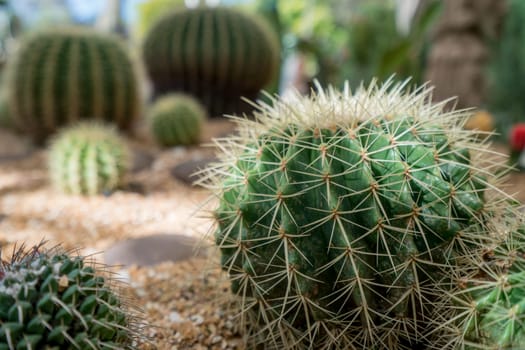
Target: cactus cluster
x=88, y=159
x=177, y=119
x=496, y=314
x=53, y=300
x=64, y=75
x=481, y=304
x=345, y=217
x=215, y=54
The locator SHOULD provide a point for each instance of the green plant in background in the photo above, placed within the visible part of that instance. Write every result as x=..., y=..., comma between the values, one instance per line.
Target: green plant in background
x=506, y=87
x=377, y=49
x=215, y=54
x=312, y=28
x=88, y=159
x=150, y=11
x=177, y=119
x=50, y=299
x=5, y=114
x=68, y=74
x=355, y=40
x=341, y=215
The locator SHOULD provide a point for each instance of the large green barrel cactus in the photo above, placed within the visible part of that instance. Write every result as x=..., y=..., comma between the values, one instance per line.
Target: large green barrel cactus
x=338, y=214
x=177, y=119
x=88, y=159
x=216, y=54
x=52, y=300
x=65, y=75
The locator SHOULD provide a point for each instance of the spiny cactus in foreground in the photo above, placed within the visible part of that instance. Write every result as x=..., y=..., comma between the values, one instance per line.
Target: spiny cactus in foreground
x=482, y=306
x=215, y=54
x=52, y=300
x=177, y=119
x=88, y=159
x=338, y=214
x=64, y=75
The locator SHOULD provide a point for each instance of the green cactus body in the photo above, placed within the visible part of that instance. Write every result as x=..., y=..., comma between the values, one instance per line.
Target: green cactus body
x=177, y=119
x=215, y=54
x=489, y=305
x=88, y=159
x=51, y=300
x=335, y=212
x=65, y=75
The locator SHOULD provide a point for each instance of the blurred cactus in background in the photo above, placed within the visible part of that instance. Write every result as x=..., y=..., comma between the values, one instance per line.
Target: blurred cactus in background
x=177, y=119
x=215, y=54
x=150, y=11
x=88, y=159
x=5, y=113
x=60, y=76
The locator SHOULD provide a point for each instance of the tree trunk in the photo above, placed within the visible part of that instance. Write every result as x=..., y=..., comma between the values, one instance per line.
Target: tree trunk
x=459, y=54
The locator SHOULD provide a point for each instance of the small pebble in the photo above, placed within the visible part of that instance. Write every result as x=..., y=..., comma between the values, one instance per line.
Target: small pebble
x=175, y=317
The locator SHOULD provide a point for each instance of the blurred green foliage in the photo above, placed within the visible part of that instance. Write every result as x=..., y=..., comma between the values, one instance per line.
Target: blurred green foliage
x=150, y=11
x=354, y=40
x=377, y=49
x=507, y=70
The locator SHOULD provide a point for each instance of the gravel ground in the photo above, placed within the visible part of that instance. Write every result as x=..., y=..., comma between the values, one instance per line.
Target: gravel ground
x=179, y=299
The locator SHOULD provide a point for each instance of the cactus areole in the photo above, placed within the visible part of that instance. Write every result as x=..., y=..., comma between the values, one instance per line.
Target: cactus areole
x=334, y=211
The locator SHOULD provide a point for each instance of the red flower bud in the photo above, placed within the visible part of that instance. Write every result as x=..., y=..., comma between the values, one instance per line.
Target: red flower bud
x=517, y=137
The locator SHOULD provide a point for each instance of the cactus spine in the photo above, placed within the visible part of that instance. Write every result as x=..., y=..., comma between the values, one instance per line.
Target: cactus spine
x=177, y=119
x=65, y=75
x=217, y=55
x=52, y=300
x=339, y=214
x=88, y=159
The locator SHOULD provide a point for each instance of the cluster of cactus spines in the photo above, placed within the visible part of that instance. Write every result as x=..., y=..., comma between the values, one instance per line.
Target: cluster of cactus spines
x=177, y=119
x=339, y=214
x=64, y=75
x=216, y=54
x=55, y=300
x=482, y=305
x=88, y=159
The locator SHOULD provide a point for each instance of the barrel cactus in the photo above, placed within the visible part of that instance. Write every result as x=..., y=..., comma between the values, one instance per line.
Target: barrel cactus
x=88, y=159
x=216, y=54
x=53, y=300
x=63, y=75
x=177, y=119
x=339, y=213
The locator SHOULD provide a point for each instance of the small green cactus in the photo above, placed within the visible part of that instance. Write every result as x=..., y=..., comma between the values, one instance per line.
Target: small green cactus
x=177, y=119
x=63, y=75
x=338, y=214
x=483, y=306
x=215, y=54
x=88, y=159
x=52, y=300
